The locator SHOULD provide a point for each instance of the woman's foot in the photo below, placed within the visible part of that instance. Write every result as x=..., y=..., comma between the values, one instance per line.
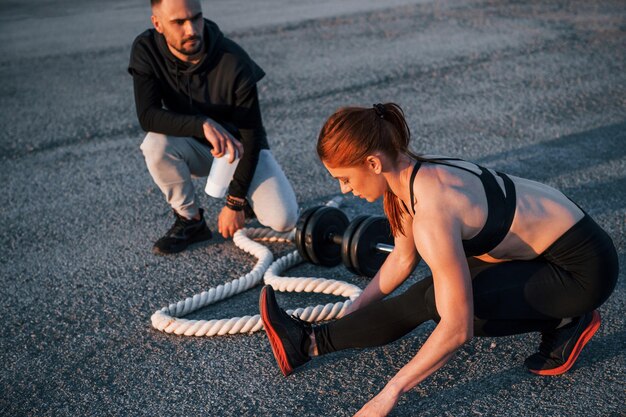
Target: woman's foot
x=560, y=348
x=288, y=335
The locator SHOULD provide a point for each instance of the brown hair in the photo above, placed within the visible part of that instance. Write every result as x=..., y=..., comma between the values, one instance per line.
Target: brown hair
x=352, y=133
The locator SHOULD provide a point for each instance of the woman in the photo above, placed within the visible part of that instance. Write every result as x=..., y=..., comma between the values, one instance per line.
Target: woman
x=507, y=256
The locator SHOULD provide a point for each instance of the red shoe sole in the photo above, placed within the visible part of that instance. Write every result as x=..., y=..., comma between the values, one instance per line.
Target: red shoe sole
x=275, y=342
x=585, y=337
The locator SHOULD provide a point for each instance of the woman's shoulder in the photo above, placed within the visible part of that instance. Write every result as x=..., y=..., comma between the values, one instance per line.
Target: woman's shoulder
x=446, y=194
x=450, y=162
x=439, y=189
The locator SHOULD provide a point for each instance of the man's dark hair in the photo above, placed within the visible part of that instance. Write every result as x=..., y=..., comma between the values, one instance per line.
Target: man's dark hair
x=154, y=3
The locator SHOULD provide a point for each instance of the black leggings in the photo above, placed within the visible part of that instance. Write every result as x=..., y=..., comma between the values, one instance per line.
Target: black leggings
x=575, y=275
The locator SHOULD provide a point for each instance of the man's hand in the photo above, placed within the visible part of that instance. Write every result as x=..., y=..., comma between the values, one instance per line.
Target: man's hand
x=221, y=140
x=229, y=221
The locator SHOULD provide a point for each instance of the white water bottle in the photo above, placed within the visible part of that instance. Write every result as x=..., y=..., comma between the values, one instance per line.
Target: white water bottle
x=220, y=176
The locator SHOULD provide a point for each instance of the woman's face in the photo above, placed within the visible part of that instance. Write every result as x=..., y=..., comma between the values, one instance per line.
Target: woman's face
x=364, y=181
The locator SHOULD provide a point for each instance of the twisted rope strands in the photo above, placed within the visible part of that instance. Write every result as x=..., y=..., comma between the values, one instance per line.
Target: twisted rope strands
x=169, y=319
x=310, y=284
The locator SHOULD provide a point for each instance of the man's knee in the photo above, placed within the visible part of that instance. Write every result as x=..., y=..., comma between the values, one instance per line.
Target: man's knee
x=155, y=146
x=288, y=222
x=279, y=220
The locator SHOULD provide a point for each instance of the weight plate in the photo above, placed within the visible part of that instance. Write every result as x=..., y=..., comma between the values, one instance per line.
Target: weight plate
x=325, y=223
x=366, y=260
x=347, y=238
x=300, y=225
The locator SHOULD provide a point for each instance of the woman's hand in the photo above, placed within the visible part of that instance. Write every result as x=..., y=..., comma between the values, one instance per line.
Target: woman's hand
x=380, y=405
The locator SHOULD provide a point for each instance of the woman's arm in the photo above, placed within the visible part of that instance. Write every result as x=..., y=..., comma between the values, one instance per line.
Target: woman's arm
x=396, y=268
x=438, y=240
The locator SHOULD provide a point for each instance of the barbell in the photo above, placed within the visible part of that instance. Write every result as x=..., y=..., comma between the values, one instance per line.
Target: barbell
x=325, y=236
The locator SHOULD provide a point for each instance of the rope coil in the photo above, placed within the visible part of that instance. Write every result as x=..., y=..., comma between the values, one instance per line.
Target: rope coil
x=169, y=319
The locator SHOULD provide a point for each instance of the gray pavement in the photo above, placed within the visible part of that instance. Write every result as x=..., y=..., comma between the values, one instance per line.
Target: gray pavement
x=536, y=89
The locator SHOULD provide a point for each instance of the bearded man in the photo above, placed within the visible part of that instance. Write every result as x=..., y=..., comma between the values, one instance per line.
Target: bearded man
x=196, y=96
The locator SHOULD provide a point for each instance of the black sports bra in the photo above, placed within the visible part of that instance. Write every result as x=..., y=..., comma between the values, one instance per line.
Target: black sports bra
x=500, y=207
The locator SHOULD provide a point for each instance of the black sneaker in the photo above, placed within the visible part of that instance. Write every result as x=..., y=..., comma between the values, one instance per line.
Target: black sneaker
x=560, y=348
x=288, y=335
x=183, y=233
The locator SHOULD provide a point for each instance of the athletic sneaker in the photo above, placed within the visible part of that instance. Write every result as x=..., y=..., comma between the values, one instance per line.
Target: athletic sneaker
x=560, y=348
x=183, y=233
x=288, y=335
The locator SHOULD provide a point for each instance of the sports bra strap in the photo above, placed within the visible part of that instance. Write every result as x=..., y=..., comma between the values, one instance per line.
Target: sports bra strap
x=416, y=168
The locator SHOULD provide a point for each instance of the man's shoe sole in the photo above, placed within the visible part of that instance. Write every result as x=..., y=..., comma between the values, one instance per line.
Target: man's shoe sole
x=585, y=337
x=275, y=342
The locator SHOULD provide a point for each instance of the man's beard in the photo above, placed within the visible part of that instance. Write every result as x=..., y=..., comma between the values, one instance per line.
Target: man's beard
x=191, y=50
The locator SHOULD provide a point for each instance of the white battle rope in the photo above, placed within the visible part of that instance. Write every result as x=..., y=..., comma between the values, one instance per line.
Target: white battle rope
x=169, y=319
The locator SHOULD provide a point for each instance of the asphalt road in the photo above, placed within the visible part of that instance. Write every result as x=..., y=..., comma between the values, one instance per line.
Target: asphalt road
x=536, y=89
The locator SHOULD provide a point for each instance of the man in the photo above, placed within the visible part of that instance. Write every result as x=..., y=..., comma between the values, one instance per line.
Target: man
x=196, y=96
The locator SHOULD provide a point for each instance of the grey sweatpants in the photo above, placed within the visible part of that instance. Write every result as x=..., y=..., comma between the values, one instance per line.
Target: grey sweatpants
x=174, y=161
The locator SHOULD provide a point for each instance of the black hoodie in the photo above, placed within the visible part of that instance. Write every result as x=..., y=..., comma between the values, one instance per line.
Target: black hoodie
x=175, y=98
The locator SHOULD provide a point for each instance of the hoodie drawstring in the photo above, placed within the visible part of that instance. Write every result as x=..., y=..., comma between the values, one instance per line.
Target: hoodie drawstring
x=189, y=93
x=176, y=72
